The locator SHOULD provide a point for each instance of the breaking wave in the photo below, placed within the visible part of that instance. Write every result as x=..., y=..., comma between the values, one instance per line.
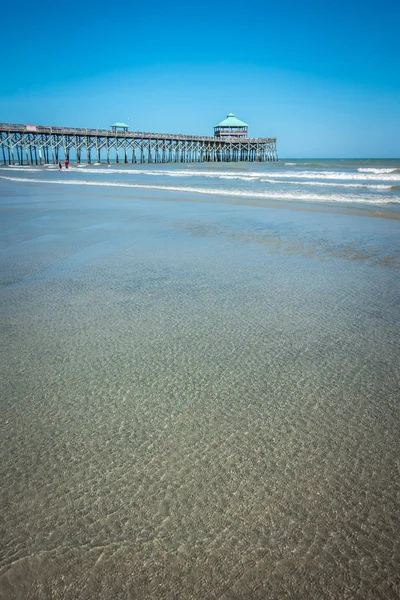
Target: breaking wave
x=362, y=175
x=270, y=195
x=377, y=186
x=254, y=175
x=376, y=170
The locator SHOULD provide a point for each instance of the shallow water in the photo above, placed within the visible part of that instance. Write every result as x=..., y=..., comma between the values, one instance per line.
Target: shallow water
x=200, y=398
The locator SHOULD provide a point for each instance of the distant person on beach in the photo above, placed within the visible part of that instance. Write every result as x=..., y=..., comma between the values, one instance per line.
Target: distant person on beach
x=60, y=165
x=66, y=163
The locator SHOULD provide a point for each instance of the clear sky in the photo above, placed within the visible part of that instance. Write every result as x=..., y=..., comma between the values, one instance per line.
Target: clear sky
x=323, y=77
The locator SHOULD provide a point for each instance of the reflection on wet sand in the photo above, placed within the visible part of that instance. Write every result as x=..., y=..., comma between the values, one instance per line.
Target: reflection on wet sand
x=296, y=243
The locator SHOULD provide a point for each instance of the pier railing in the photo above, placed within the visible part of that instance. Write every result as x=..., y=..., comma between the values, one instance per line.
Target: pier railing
x=11, y=127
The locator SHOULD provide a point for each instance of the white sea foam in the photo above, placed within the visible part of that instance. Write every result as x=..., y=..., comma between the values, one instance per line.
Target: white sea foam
x=377, y=186
x=254, y=175
x=335, y=176
x=20, y=168
x=182, y=173
x=220, y=192
x=239, y=177
x=376, y=175
x=376, y=170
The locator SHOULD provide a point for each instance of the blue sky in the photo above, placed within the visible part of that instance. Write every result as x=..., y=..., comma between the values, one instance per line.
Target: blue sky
x=323, y=77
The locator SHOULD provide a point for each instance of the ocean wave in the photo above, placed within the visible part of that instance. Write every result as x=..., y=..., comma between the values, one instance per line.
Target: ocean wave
x=301, y=163
x=18, y=167
x=384, y=175
x=362, y=174
x=238, y=177
x=377, y=186
x=184, y=173
x=220, y=192
x=377, y=171
x=22, y=168
x=253, y=175
x=218, y=175
x=335, y=176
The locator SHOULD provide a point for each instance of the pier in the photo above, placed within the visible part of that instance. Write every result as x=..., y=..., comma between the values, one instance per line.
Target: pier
x=37, y=145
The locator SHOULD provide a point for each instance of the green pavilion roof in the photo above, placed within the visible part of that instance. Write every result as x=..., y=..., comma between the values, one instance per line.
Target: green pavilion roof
x=119, y=125
x=232, y=121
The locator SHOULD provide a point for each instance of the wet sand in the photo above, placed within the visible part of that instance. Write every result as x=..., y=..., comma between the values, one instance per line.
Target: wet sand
x=198, y=400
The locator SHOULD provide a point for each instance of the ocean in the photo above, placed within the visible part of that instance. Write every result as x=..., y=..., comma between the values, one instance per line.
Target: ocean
x=200, y=380
x=375, y=182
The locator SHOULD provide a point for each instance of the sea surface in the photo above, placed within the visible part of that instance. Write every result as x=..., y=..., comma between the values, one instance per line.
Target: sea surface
x=200, y=385
x=375, y=182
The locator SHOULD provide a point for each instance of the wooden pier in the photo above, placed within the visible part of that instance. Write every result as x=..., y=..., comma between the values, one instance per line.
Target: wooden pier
x=37, y=144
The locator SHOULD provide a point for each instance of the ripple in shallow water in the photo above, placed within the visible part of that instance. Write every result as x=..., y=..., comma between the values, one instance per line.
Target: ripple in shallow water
x=201, y=416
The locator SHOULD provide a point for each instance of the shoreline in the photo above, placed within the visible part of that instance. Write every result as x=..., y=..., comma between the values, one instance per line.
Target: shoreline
x=388, y=210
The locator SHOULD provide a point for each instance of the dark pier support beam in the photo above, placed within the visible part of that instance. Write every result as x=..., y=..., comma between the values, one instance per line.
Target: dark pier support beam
x=88, y=151
x=19, y=154
x=125, y=153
